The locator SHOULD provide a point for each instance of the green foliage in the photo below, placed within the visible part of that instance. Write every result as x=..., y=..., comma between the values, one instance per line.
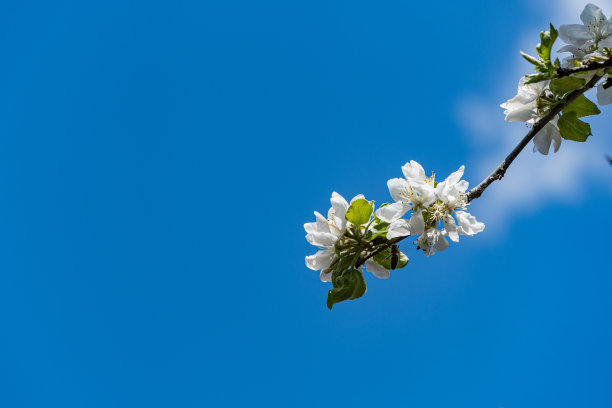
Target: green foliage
x=533, y=60
x=547, y=39
x=359, y=212
x=572, y=128
x=383, y=258
x=348, y=284
x=547, y=69
x=561, y=86
x=533, y=78
x=582, y=106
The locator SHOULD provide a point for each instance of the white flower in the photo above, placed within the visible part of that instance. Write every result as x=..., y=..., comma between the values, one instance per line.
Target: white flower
x=376, y=269
x=449, y=196
x=595, y=32
x=452, y=197
x=432, y=241
x=403, y=228
x=413, y=191
x=523, y=108
x=324, y=233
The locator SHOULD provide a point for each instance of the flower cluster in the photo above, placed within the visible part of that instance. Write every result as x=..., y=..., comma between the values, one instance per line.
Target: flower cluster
x=539, y=93
x=354, y=236
x=326, y=233
x=589, y=41
x=432, y=207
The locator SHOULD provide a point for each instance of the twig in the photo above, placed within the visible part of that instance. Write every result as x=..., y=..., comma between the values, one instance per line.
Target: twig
x=499, y=172
x=589, y=66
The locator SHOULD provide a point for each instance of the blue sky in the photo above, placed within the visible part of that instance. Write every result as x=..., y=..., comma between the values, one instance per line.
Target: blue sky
x=159, y=160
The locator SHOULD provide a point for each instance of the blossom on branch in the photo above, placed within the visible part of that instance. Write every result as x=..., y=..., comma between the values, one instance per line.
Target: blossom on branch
x=324, y=233
x=594, y=34
x=434, y=221
x=526, y=107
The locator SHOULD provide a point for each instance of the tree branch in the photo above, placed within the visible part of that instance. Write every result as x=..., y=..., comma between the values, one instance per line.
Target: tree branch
x=589, y=66
x=499, y=172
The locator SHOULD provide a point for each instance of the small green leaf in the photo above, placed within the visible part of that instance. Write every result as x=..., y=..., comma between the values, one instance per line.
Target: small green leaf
x=547, y=39
x=348, y=284
x=359, y=212
x=383, y=258
x=533, y=60
x=561, y=86
x=582, y=106
x=554, y=34
x=572, y=128
x=533, y=78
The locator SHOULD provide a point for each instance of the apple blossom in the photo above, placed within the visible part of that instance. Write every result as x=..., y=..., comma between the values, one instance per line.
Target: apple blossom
x=524, y=108
x=595, y=33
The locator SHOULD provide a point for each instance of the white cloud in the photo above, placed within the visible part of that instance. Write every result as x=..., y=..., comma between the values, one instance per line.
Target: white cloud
x=533, y=181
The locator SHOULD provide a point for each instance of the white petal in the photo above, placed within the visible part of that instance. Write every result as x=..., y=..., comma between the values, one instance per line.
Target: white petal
x=447, y=190
x=376, y=269
x=358, y=197
x=462, y=186
x=556, y=137
x=338, y=224
x=543, y=139
x=604, y=96
x=399, y=228
x=321, y=260
x=397, y=188
x=451, y=228
x=326, y=275
x=416, y=225
x=578, y=52
x=606, y=28
x=393, y=212
x=321, y=239
x=427, y=193
x=322, y=224
x=310, y=227
x=339, y=204
x=592, y=13
x=436, y=242
x=575, y=34
x=468, y=225
x=607, y=43
x=518, y=112
x=413, y=171
x=455, y=176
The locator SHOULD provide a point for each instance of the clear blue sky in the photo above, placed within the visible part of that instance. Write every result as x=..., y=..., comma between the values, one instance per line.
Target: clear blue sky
x=158, y=161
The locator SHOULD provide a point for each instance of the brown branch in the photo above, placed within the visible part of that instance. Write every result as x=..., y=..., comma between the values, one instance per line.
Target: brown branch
x=589, y=66
x=499, y=172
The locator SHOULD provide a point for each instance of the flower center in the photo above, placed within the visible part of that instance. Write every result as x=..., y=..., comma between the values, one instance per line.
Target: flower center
x=437, y=211
x=409, y=195
x=595, y=27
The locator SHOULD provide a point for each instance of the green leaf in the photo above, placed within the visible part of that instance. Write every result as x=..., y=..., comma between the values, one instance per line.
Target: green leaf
x=348, y=284
x=582, y=106
x=533, y=78
x=572, y=128
x=547, y=39
x=359, y=212
x=561, y=86
x=533, y=60
x=383, y=258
